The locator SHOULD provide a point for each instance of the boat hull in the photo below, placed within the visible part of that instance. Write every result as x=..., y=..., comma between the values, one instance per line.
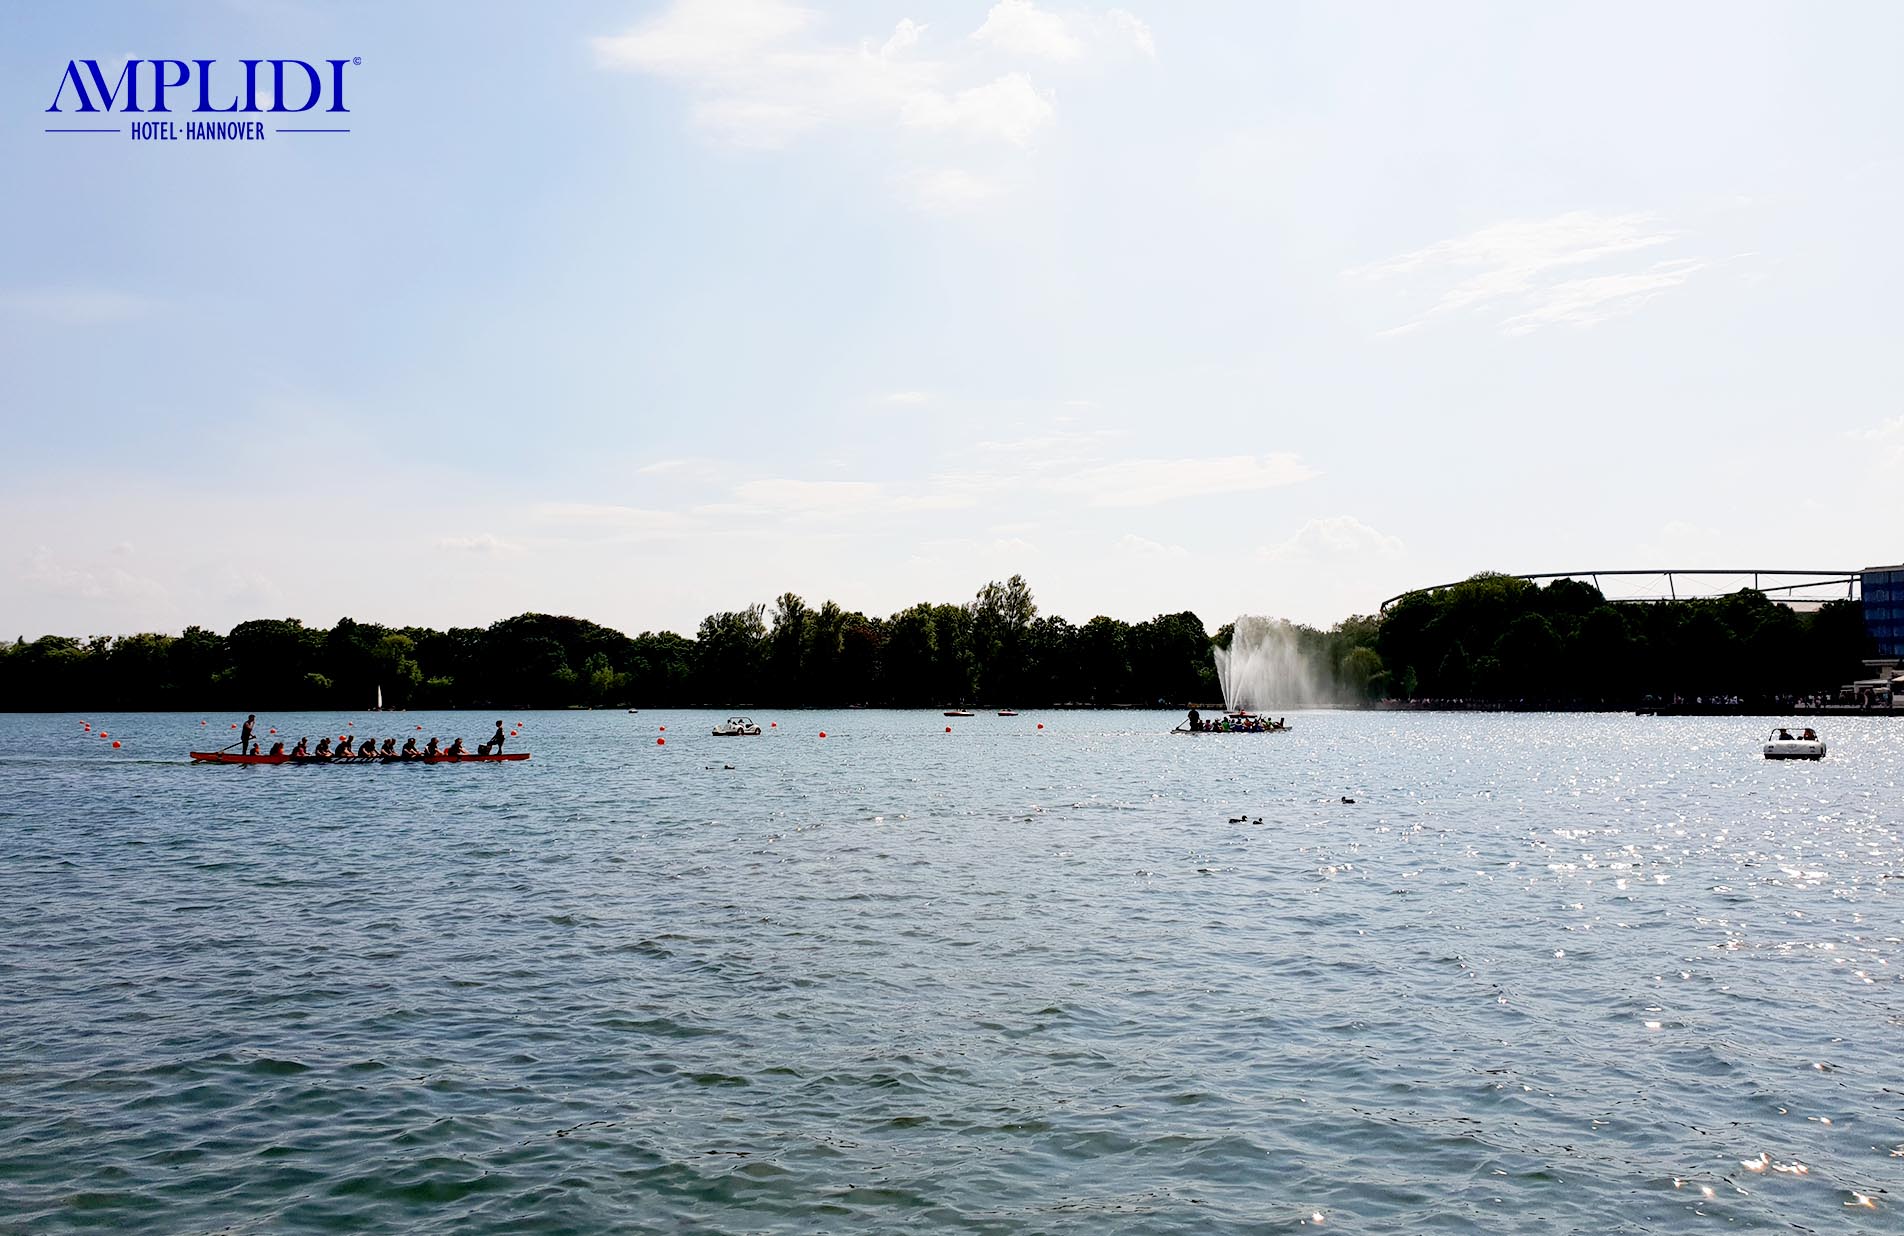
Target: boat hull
x=232, y=757
x=1795, y=750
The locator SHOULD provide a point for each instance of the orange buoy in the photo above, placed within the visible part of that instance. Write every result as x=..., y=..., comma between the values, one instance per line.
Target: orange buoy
x=660, y=742
x=948, y=729
x=115, y=744
x=823, y=733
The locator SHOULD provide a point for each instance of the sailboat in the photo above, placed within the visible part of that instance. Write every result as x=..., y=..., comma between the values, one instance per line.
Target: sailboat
x=378, y=706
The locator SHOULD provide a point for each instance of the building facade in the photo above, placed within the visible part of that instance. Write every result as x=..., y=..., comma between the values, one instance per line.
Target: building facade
x=1883, y=589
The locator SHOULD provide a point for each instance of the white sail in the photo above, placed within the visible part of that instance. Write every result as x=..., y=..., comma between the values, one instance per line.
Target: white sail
x=379, y=707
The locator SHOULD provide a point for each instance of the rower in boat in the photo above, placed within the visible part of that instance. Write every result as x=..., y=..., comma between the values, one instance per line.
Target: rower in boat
x=456, y=749
x=410, y=751
x=342, y=751
x=244, y=735
x=429, y=748
x=323, y=751
x=277, y=748
x=302, y=749
x=389, y=751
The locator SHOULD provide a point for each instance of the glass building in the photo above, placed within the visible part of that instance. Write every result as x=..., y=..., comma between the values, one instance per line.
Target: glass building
x=1883, y=589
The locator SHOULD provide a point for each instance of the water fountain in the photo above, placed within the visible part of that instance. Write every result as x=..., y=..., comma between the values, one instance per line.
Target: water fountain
x=1265, y=666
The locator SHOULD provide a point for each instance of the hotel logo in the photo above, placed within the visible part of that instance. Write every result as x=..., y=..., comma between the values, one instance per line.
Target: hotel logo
x=203, y=100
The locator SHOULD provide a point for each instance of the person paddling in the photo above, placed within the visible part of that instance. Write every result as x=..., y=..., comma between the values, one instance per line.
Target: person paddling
x=244, y=735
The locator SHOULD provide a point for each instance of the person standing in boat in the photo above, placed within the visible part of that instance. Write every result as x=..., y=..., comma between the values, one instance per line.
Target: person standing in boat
x=244, y=735
x=495, y=744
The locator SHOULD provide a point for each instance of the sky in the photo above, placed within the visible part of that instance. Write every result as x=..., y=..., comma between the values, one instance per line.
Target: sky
x=642, y=310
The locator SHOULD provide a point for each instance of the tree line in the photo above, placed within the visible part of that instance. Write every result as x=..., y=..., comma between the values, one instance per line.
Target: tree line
x=996, y=647
x=1492, y=639
x=1499, y=640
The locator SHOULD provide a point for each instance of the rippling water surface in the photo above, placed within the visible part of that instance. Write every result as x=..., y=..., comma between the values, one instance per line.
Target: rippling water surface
x=1543, y=974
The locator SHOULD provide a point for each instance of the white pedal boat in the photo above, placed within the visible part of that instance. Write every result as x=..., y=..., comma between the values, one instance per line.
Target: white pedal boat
x=1782, y=745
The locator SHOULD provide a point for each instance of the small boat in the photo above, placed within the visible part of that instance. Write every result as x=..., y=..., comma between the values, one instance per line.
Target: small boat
x=441, y=757
x=958, y=712
x=1007, y=712
x=1782, y=746
x=736, y=727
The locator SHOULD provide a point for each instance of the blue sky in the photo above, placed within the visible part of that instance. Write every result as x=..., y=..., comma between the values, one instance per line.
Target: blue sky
x=642, y=310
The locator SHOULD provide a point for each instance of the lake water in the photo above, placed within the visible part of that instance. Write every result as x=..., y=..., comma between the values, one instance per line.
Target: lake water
x=1544, y=974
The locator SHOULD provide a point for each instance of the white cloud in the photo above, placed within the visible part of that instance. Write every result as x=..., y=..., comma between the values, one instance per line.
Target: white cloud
x=1133, y=28
x=51, y=575
x=697, y=37
x=1518, y=269
x=1143, y=547
x=759, y=78
x=766, y=73
x=1009, y=108
x=1334, y=536
x=1152, y=482
x=1887, y=439
x=1582, y=302
x=1021, y=28
x=481, y=543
